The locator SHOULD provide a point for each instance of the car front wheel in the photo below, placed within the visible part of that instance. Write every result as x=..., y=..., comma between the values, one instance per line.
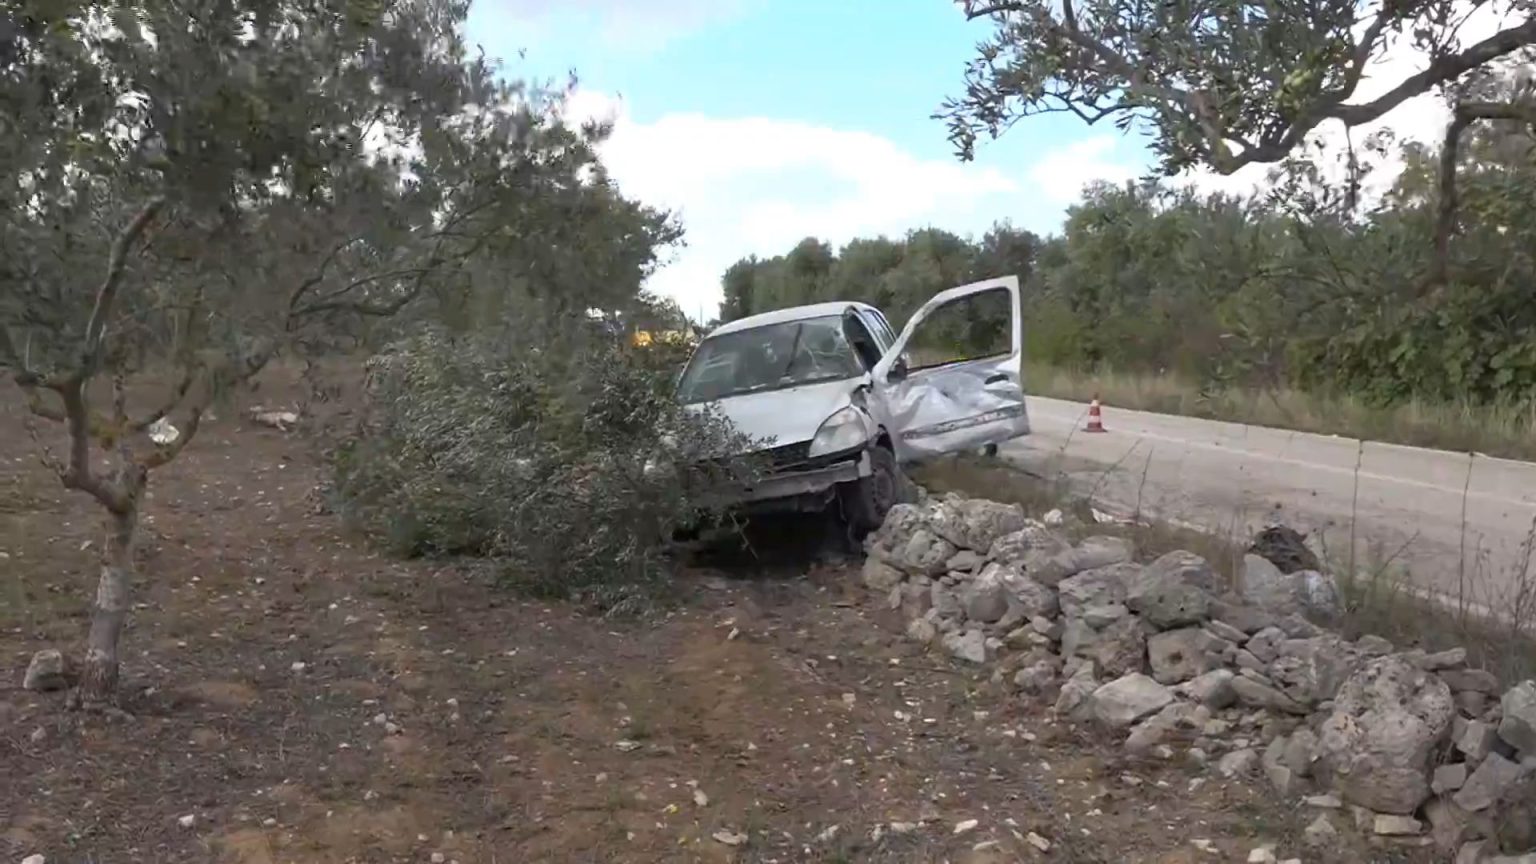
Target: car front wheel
x=867, y=500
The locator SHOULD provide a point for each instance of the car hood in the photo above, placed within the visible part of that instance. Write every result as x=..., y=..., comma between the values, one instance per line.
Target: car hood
x=786, y=416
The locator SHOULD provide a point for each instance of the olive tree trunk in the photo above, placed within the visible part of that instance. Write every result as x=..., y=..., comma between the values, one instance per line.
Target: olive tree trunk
x=98, y=679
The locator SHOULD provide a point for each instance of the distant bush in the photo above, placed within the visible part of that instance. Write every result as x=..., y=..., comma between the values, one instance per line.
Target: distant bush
x=537, y=457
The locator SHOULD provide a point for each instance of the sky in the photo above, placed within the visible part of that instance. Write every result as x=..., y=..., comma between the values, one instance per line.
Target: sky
x=761, y=122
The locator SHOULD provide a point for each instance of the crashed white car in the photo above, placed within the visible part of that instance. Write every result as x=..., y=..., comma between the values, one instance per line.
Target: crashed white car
x=842, y=401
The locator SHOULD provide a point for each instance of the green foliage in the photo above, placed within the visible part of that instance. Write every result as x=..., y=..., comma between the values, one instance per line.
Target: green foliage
x=536, y=456
x=1275, y=292
x=1221, y=84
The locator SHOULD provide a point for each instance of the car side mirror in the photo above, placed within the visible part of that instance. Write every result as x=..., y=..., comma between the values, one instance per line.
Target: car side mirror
x=898, y=370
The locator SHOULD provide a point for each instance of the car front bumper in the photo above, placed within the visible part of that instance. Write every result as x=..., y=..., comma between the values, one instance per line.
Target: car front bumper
x=811, y=482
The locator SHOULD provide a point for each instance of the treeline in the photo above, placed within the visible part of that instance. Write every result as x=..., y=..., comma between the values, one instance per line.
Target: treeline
x=1295, y=287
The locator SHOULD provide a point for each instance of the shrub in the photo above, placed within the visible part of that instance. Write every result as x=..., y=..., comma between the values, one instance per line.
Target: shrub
x=569, y=462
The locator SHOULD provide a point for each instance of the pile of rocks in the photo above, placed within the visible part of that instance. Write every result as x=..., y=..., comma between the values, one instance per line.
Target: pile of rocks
x=1233, y=674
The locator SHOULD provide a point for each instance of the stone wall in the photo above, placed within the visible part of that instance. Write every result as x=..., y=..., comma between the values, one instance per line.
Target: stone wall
x=1415, y=747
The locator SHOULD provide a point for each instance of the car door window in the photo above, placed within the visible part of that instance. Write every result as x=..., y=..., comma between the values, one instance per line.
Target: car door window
x=864, y=343
x=968, y=328
x=881, y=327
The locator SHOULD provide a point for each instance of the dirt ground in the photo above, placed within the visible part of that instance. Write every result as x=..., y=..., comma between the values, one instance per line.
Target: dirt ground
x=292, y=696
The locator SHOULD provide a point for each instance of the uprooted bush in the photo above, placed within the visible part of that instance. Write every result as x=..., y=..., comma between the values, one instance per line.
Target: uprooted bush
x=570, y=464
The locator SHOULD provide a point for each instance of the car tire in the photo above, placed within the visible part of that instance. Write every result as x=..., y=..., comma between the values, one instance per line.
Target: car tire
x=866, y=500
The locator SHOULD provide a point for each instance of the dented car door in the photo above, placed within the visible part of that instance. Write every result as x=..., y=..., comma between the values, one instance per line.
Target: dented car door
x=953, y=380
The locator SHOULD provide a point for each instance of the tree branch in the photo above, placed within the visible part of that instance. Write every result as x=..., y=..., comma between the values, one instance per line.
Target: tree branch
x=106, y=295
x=1464, y=116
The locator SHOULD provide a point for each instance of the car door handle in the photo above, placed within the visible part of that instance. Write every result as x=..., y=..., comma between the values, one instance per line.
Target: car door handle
x=996, y=378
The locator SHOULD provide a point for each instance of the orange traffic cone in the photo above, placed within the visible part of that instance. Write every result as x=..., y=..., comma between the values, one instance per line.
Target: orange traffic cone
x=1095, y=418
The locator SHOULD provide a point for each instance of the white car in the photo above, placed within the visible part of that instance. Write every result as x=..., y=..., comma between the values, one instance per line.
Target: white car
x=842, y=403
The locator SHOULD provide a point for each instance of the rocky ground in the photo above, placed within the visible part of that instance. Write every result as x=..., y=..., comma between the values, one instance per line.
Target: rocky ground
x=291, y=696
x=1186, y=664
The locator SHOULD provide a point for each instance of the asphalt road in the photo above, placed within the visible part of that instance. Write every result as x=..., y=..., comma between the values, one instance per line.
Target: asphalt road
x=1439, y=516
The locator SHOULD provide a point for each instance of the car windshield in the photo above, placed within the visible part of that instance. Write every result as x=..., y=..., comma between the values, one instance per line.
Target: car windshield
x=769, y=357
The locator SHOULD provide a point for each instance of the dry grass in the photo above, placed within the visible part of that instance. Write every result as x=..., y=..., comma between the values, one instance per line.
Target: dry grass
x=1507, y=430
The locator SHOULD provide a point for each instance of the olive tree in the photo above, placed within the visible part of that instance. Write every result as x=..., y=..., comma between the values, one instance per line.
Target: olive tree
x=188, y=186
x=1232, y=83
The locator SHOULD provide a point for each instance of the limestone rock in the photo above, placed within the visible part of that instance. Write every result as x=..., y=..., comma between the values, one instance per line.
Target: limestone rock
x=1179, y=655
x=1213, y=689
x=1388, y=717
x=46, y=671
x=1238, y=763
x=1032, y=543
x=1476, y=740
x=1262, y=584
x=1100, y=586
x=880, y=576
x=1176, y=720
x=1448, y=778
x=1244, y=617
x=984, y=597
x=1092, y=554
x=1173, y=591
x=1518, y=725
x=1474, y=680
x=1257, y=692
x=1266, y=643
x=1494, y=777
x=975, y=523
x=1127, y=699
x=968, y=645
x=1077, y=693
x=1118, y=649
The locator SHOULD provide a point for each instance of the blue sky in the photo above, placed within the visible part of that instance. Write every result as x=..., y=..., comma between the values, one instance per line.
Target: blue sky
x=763, y=121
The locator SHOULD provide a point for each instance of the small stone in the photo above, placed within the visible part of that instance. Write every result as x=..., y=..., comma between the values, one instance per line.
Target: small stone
x=438, y=858
x=1373, y=646
x=1323, y=802
x=34, y=859
x=729, y=838
x=297, y=666
x=1477, y=740
x=1038, y=842
x=922, y=630
x=968, y=645
x=1127, y=699
x=1475, y=680
x=1518, y=725
x=1265, y=644
x=1321, y=832
x=1448, y=778
x=1099, y=617
x=45, y=672
x=1263, y=854
x=1493, y=777
x=1251, y=691
x=1212, y=689
x=1453, y=658
x=1222, y=630
x=187, y=821
x=1472, y=853
x=1394, y=825
x=1238, y=763
x=1246, y=659
x=965, y=825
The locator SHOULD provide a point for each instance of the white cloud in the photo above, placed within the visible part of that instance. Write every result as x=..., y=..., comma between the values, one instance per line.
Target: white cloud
x=1061, y=174
x=755, y=185
x=1422, y=118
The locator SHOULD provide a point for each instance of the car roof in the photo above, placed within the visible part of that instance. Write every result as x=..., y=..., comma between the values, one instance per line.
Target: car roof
x=794, y=313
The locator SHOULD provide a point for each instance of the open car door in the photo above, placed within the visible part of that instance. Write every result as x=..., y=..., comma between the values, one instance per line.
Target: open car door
x=953, y=380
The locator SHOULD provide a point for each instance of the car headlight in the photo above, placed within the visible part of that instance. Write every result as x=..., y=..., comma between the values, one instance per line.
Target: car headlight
x=844, y=430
